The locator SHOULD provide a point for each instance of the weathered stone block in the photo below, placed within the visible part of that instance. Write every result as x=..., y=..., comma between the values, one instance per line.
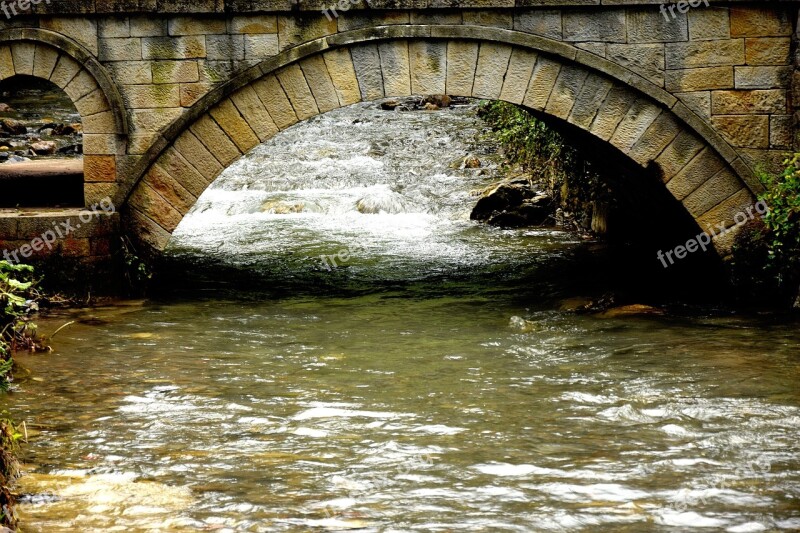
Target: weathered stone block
x=565, y=91
x=195, y=25
x=462, y=59
x=175, y=72
x=520, y=68
x=709, y=24
x=99, y=123
x=147, y=231
x=704, y=54
x=546, y=23
x=781, y=131
x=254, y=112
x=113, y=27
x=759, y=22
x=726, y=211
x=592, y=95
x=612, y=111
x=698, y=101
x=192, y=92
x=543, y=79
x=195, y=153
x=260, y=46
x=493, y=61
x=763, y=77
x=367, y=65
x=598, y=49
x=99, y=168
x=428, y=67
x=320, y=83
x=150, y=96
x=699, y=79
x=644, y=59
x=648, y=25
x=748, y=102
x=190, y=47
x=82, y=84
x=273, y=97
x=699, y=170
x=6, y=63
x=153, y=120
x=296, y=88
x=92, y=103
x=125, y=49
x=253, y=24
x=23, y=54
x=750, y=131
x=657, y=137
x=636, y=121
x=148, y=200
x=395, y=67
x=131, y=72
x=300, y=27
x=236, y=127
x=94, y=193
x=493, y=18
x=606, y=26
x=173, y=163
x=66, y=69
x=102, y=144
x=82, y=29
x=678, y=153
x=148, y=26
x=713, y=192
x=215, y=140
x=343, y=75
x=225, y=47
x=768, y=50
x=44, y=61
x=170, y=189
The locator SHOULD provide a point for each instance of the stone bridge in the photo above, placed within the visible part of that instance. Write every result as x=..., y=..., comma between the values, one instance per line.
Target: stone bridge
x=172, y=92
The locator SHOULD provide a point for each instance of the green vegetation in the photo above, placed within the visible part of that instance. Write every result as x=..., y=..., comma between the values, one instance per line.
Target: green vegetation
x=16, y=331
x=542, y=152
x=767, y=252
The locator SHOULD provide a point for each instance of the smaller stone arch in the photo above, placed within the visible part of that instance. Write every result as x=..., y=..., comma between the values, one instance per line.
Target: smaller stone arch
x=65, y=63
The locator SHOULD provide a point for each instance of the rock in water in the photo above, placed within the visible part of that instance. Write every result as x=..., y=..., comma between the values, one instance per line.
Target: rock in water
x=631, y=310
x=513, y=204
x=438, y=100
x=5, y=108
x=44, y=147
x=382, y=202
x=12, y=127
x=520, y=324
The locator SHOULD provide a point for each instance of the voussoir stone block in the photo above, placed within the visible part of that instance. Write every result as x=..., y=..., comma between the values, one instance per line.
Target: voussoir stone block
x=215, y=140
x=492, y=65
x=462, y=60
x=565, y=91
x=592, y=95
x=343, y=75
x=712, y=192
x=428, y=66
x=276, y=102
x=184, y=173
x=699, y=170
x=543, y=79
x=44, y=61
x=296, y=87
x=253, y=111
x=196, y=154
x=367, y=65
x=394, y=64
x=320, y=83
x=518, y=75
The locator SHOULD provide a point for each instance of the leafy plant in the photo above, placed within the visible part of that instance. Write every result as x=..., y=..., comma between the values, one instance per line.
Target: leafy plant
x=16, y=282
x=783, y=220
x=543, y=153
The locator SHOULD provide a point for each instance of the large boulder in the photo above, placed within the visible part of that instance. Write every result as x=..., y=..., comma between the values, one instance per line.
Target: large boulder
x=514, y=204
x=12, y=127
x=44, y=147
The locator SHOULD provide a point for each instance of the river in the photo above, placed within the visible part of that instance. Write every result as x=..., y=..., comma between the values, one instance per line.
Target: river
x=338, y=347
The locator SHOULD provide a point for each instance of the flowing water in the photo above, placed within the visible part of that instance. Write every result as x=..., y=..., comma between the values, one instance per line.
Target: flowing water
x=424, y=379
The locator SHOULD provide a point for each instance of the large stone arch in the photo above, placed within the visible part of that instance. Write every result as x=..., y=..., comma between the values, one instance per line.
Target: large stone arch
x=62, y=61
x=611, y=103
